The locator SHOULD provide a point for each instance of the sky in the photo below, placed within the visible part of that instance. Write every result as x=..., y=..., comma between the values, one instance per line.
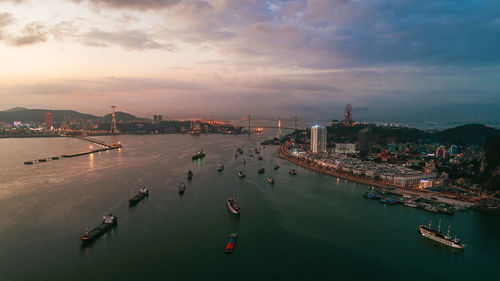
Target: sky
x=413, y=60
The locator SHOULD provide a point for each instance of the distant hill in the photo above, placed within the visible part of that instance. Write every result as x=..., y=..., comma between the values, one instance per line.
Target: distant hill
x=490, y=166
x=38, y=115
x=467, y=134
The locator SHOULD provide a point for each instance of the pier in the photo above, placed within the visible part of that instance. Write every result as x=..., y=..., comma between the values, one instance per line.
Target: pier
x=105, y=146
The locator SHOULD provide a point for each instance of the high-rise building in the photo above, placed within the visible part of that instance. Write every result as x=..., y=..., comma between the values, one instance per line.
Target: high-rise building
x=48, y=121
x=318, y=139
x=364, y=140
x=348, y=114
x=441, y=152
x=160, y=118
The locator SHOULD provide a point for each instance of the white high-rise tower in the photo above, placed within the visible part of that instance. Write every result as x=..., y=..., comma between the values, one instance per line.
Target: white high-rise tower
x=318, y=139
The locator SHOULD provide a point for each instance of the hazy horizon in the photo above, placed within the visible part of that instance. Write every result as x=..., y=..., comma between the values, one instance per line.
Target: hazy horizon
x=412, y=61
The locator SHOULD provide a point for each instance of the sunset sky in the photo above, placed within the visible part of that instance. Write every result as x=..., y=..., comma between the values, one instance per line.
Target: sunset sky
x=392, y=60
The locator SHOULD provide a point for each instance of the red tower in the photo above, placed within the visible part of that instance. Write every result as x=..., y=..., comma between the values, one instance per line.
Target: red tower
x=49, y=121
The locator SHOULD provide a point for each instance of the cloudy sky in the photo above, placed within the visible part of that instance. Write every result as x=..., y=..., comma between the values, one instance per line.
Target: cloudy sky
x=408, y=60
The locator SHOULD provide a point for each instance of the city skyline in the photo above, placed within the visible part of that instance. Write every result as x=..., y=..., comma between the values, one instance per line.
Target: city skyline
x=412, y=61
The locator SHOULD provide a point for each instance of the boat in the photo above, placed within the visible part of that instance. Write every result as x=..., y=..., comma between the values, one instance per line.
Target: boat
x=182, y=188
x=108, y=222
x=241, y=174
x=28, y=162
x=235, y=155
x=55, y=158
x=143, y=192
x=198, y=155
x=232, y=205
x=436, y=235
x=251, y=155
x=276, y=167
x=42, y=160
x=260, y=158
x=231, y=243
x=410, y=204
x=261, y=171
x=220, y=168
x=190, y=174
x=243, y=161
x=270, y=180
x=292, y=172
x=239, y=150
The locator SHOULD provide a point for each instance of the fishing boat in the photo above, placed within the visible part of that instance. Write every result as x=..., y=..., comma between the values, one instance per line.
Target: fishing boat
x=198, y=155
x=190, y=174
x=220, y=168
x=182, y=188
x=232, y=205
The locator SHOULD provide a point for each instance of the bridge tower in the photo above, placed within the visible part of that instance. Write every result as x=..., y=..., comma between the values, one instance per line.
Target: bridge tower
x=279, y=128
x=113, y=121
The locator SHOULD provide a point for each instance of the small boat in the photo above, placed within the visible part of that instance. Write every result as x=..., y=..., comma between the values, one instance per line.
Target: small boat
x=232, y=205
x=261, y=171
x=276, y=167
x=143, y=192
x=108, y=222
x=42, y=160
x=198, y=155
x=251, y=155
x=410, y=204
x=270, y=180
x=235, y=155
x=292, y=172
x=220, y=168
x=182, y=188
x=28, y=162
x=190, y=174
x=231, y=243
x=55, y=158
x=260, y=158
x=239, y=150
x=241, y=174
x=243, y=161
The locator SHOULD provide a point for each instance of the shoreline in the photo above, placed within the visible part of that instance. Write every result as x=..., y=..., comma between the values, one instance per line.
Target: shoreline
x=395, y=189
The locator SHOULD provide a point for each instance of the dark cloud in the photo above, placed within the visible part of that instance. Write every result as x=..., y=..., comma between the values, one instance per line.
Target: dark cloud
x=133, y=4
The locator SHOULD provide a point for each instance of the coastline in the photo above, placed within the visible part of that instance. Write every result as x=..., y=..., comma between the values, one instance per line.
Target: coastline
x=395, y=189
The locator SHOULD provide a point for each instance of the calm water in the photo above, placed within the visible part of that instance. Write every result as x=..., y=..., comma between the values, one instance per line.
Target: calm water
x=303, y=228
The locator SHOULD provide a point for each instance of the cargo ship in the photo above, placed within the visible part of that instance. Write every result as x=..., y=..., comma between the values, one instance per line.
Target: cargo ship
x=108, y=222
x=270, y=180
x=220, y=168
x=232, y=205
x=199, y=154
x=241, y=174
x=436, y=235
x=190, y=174
x=231, y=243
x=261, y=171
x=143, y=192
x=182, y=188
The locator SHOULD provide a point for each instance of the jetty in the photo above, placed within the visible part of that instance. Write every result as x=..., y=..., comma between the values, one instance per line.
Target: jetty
x=105, y=147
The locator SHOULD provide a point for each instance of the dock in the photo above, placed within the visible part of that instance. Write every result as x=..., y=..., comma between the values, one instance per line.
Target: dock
x=105, y=146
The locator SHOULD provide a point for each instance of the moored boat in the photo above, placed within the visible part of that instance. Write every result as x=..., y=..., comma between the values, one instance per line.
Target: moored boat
x=261, y=171
x=276, y=167
x=231, y=243
x=232, y=205
x=292, y=172
x=190, y=174
x=260, y=158
x=241, y=174
x=143, y=192
x=28, y=162
x=107, y=223
x=243, y=161
x=436, y=235
x=220, y=168
x=270, y=180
